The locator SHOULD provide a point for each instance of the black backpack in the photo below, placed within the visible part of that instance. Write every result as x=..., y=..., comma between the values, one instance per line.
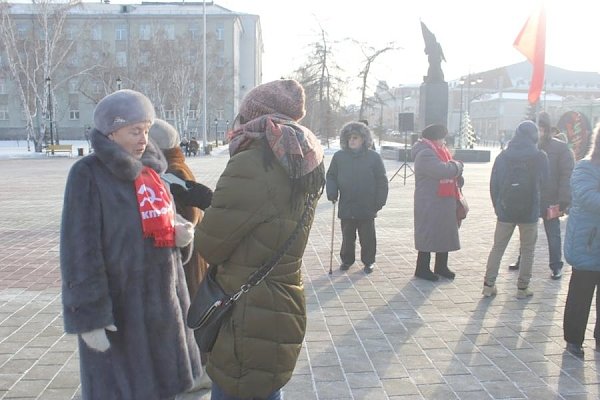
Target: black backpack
x=518, y=190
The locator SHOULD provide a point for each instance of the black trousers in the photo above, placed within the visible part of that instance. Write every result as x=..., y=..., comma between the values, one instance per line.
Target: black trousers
x=579, y=302
x=366, y=236
x=424, y=259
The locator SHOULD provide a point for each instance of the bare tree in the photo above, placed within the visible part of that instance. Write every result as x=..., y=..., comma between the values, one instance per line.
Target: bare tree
x=370, y=55
x=323, y=84
x=35, y=47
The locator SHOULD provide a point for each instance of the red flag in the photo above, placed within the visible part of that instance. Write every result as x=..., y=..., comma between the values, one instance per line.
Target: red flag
x=531, y=41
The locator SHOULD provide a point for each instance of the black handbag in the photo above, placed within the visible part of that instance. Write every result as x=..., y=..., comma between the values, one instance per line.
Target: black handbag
x=212, y=304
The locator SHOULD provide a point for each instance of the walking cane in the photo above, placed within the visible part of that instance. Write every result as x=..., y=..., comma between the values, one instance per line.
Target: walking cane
x=332, y=232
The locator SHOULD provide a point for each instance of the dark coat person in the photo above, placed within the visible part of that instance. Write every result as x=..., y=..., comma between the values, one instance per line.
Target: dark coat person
x=582, y=250
x=357, y=176
x=276, y=167
x=436, y=192
x=518, y=174
x=123, y=285
x=555, y=191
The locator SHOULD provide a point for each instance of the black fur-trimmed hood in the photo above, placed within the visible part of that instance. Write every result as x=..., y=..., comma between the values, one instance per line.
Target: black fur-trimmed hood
x=121, y=163
x=358, y=128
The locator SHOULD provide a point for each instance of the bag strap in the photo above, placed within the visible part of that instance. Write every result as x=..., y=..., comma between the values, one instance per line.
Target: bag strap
x=261, y=273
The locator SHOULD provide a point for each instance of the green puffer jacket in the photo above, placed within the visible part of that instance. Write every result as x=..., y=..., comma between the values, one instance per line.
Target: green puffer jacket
x=248, y=221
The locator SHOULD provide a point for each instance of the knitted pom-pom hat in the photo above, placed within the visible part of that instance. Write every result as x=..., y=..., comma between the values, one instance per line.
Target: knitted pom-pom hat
x=122, y=108
x=284, y=96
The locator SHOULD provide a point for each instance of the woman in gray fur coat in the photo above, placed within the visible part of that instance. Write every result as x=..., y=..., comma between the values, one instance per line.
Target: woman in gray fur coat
x=123, y=285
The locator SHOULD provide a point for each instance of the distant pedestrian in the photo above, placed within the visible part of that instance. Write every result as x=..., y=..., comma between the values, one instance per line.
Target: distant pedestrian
x=356, y=176
x=582, y=250
x=437, y=181
x=517, y=176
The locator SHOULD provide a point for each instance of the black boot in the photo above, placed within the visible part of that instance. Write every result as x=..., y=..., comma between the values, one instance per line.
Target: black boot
x=423, y=270
x=441, y=266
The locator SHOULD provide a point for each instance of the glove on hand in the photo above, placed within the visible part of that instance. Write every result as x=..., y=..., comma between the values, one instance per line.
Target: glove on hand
x=184, y=231
x=563, y=207
x=195, y=195
x=97, y=339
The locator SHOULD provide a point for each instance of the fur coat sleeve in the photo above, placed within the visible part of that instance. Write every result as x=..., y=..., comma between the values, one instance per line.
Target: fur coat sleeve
x=86, y=299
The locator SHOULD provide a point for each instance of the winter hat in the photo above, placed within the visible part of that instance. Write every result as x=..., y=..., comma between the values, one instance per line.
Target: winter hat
x=122, y=108
x=164, y=134
x=284, y=96
x=544, y=121
x=527, y=129
x=434, y=132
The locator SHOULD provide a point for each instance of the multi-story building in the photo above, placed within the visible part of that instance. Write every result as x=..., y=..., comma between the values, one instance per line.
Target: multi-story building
x=89, y=50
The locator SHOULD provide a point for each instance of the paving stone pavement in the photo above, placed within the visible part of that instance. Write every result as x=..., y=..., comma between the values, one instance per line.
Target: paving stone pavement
x=379, y=336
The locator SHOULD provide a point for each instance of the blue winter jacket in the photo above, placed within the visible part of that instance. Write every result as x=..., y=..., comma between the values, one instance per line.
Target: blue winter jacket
x=582, y=239
x=520, y=147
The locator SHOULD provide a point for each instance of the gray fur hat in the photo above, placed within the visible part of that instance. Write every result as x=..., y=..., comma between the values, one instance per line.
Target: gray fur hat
x=164, y=134
x=357, y=128
x=122, y=108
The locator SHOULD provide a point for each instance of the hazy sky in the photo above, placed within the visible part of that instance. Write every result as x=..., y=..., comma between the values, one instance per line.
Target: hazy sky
x=475, y=35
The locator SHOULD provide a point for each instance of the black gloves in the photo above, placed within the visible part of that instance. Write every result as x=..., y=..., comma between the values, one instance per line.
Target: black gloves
x=195, y=194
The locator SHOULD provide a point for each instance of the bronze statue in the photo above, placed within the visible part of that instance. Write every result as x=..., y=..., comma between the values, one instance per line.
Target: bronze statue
x=435, y=56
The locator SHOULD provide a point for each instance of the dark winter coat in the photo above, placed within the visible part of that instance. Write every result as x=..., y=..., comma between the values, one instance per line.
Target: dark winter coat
x=436, y=226
x=249, y=219
x=112, y=275
x=557, y=189
x=359, y=179
x=519, y=148
x=582, y=237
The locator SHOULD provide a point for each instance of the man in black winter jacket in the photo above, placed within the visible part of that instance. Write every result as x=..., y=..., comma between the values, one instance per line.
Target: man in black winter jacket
x=357, y=175
x=555, y=191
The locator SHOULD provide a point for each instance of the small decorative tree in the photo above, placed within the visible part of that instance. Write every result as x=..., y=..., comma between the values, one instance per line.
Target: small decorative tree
x=468, y=133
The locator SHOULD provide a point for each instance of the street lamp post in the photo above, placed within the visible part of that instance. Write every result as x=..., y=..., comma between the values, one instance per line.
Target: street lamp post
x=50, y=116
x=216, y=134
x=119, y=81
x=226, y=130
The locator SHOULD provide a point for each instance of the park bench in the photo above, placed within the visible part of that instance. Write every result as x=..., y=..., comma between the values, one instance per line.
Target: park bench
x=59, y=148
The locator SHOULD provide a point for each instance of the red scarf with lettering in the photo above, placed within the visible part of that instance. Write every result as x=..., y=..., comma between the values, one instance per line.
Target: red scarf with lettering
x=156, y=210
x=447, y=187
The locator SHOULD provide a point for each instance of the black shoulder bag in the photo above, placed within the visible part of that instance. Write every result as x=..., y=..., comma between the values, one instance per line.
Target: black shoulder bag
x=211, y=304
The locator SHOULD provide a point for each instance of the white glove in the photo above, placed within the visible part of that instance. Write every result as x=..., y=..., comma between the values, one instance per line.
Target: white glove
x=184, y=231
x=97, y=339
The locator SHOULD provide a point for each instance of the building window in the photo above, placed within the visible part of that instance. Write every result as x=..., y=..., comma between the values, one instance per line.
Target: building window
x=121, y=32
x=145, y=32
x=97, y=32
x=21, y=31
x=194, y=32
x=144, y=57
x=170, y=115
x=74, y=115
x=2, y=86
x=220, y=32
x=121, y=59
x=3, y=113
x=71, y=33
x=73, y=86
x=220, y=114
x=192, y=114
x=97, y=88
x=170, y=31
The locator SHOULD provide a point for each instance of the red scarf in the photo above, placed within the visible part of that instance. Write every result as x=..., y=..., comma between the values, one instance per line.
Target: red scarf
x=156, y=210
x=448, y=187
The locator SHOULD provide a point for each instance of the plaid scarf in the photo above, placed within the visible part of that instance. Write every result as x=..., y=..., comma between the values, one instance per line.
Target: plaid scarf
x=448, y=187
x=156, y=210
x=295, y=147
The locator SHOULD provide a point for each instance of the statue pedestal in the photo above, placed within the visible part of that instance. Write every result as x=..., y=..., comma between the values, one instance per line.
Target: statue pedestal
x=433, y=104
